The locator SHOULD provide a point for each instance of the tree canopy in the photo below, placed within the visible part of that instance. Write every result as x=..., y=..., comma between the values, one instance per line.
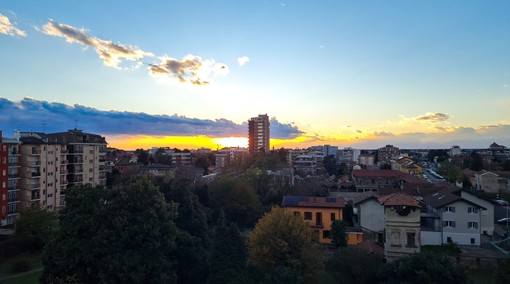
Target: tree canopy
x=122, y=235
x=423, y=268
x=281, y=240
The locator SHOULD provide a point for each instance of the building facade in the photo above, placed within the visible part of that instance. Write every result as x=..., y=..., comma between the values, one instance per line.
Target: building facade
x=319, y=212
x=258, y=134
x=402, y=230
x=9, y=180
x=44, y=172
x=386, y=153
x=86, y=157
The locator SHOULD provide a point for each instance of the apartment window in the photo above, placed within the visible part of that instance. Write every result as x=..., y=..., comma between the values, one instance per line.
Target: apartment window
x=472, y=210
x=449, y=239
x=4, y=173
x=449, y=224
x=326, y=234
x=449, y=209
x=411, y=240
x=4, y=160
x=473, y=225
x=333, y=217
x=472, y=241
x=4, y=148
x=3, y=184
x=296, y=213
x=308, y=215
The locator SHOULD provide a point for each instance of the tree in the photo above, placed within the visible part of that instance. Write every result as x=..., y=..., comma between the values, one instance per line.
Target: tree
x=476, y=163
x=237, y=199
x=339, y=233
x=143, y=156
x=228, y=257
x=351, y=265
x=121, y=235
x=348, y=213
x=424, y=268
x=35, y=228
x=281, y=240
x=329, y=164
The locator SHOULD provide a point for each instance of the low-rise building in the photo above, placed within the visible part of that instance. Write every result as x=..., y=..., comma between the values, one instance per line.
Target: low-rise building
x=402, y=225
x=320, y=212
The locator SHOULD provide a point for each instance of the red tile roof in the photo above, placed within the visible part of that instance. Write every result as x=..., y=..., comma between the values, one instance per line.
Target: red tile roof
x=399, y=199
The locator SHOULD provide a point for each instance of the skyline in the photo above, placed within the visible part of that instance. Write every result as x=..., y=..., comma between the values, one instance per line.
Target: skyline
x=411, y=74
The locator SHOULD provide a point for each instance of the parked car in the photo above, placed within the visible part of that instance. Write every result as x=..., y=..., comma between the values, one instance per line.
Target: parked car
x=504, y=220
x=501, y=202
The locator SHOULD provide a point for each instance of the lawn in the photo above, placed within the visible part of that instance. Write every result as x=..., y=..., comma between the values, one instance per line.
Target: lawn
x=33, y=261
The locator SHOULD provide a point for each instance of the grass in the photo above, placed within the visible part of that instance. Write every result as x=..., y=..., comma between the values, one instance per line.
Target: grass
x=33, y=260
x=25, y=279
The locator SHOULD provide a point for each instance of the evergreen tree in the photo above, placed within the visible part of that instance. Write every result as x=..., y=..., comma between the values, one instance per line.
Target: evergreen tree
x=339, y=233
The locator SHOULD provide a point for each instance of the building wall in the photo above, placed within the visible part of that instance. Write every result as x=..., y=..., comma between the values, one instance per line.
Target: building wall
x=43, y=176
x=486, y=215
x=430, y=238
x=399, y=240
x=487, y=182
x=9, y=180
x=372, y=215
x=258, y=134
x=461, y=233
x=326, y=220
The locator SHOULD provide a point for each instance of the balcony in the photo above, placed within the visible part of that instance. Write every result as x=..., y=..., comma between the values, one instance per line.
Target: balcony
x=35, y=174
x=35, y=152
x=35, y=164
x=12, y=176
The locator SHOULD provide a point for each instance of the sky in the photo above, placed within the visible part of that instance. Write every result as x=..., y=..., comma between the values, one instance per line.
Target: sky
x=189, y=74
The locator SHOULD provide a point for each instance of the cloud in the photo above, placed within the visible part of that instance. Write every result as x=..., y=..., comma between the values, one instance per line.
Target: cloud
x=111, y=53
x=505, y=86
x=8, y=28
x=42, y=116
x=243, y=60
x=191, y=69
x=432, y=117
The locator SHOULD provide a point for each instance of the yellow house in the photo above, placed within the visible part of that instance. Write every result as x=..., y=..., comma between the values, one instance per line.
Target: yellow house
x=319, y=212
x=408, y=166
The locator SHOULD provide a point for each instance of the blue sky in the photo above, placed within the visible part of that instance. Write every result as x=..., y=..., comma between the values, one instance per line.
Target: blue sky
x=363, y=74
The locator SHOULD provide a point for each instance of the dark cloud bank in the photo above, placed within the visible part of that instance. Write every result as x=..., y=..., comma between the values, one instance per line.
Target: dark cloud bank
x=35, y=115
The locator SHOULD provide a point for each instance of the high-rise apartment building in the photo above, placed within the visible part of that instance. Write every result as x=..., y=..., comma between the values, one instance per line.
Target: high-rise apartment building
x=86, y=157
x=258, y=134
x=9, y=180
x=44, y=172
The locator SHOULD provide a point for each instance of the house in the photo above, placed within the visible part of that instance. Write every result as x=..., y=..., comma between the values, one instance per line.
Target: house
x=408, y=166
x=402, y=225
x=487, y=182
x=450, y=218
x=370, y=213
x=320, y=212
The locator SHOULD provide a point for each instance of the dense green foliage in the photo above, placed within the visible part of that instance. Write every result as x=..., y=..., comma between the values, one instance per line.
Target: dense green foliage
x=423, y=268
x=280, y=240
x=351, y=265
x=228, y=257
x=122, y=235
x=339, y=233
x=35, y=228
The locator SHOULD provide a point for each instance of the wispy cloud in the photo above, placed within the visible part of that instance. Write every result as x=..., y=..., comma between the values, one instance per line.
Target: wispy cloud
x=110, y=52
x=22, y=115
x=8, y=28
x=243, y=60
x=191, y=69
x=432, y=117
